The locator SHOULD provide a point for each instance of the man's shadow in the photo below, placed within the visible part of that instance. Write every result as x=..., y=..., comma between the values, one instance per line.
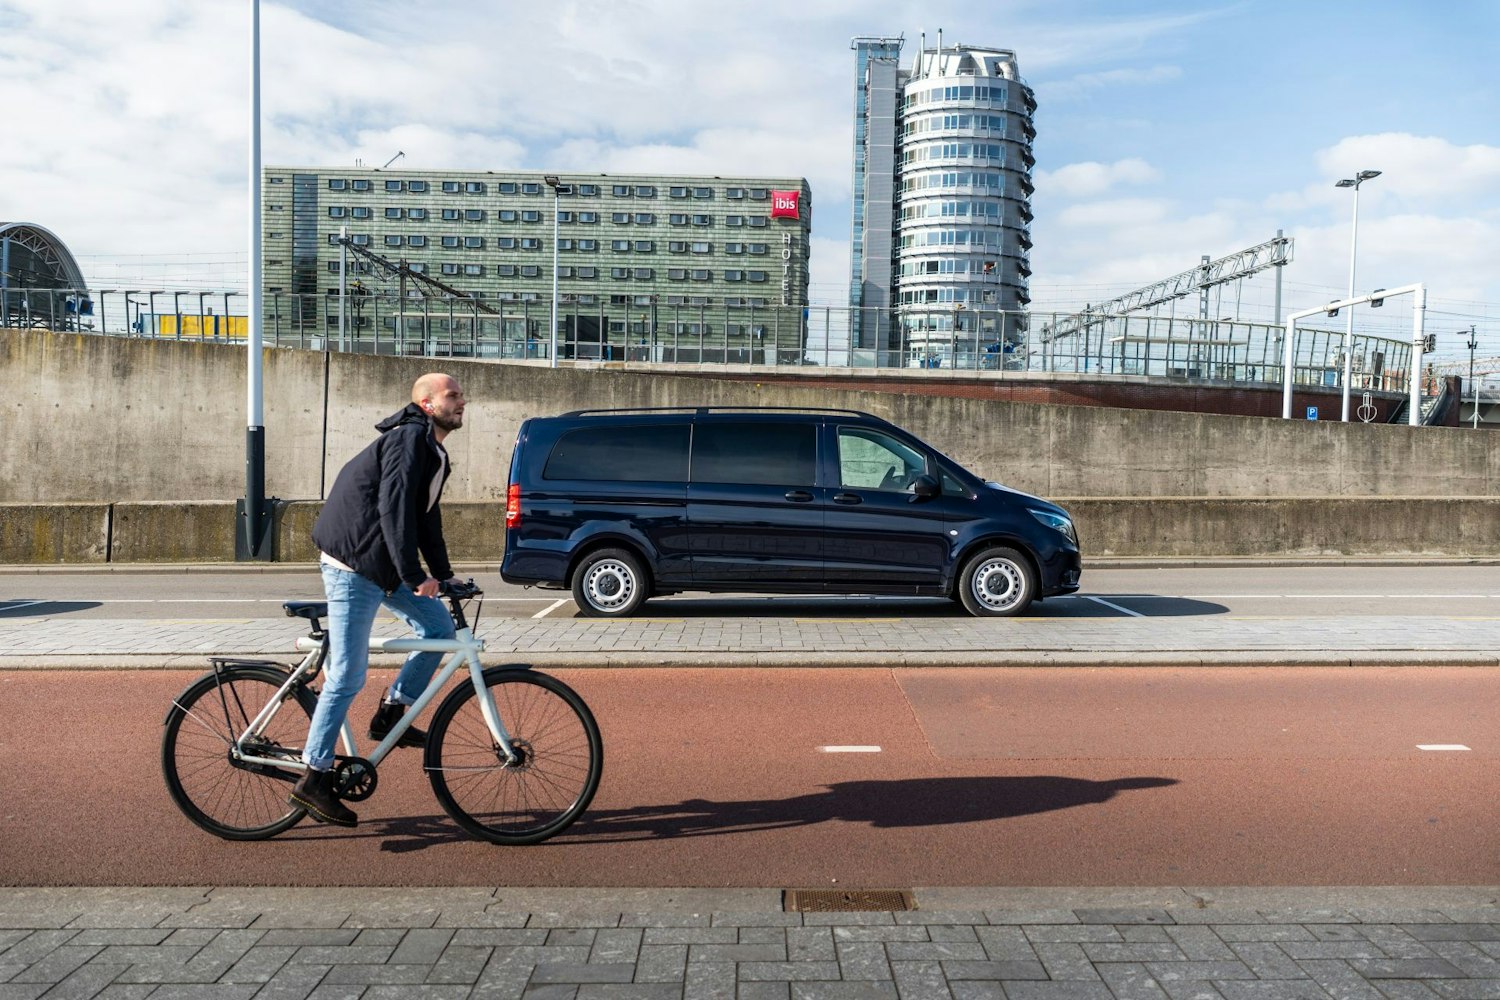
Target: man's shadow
x=898, y=804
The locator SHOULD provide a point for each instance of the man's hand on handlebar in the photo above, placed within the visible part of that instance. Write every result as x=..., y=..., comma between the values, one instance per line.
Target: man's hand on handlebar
x=454, y=587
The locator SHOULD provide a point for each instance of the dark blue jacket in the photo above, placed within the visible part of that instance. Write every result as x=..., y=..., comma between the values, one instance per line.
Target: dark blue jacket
x=376, y=520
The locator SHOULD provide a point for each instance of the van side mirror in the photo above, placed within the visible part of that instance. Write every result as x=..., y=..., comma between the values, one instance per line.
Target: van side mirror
x=924, y=487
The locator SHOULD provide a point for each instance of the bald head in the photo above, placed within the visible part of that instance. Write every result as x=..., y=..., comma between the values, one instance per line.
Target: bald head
x=441, y=397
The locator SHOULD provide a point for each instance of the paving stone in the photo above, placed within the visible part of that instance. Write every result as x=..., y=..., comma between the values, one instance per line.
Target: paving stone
x=920, y=981
x=259, y=964
x=36, y=946
x=1188, y=989
x=1231, y=933
x=83, y=982
x=709, y=981
x=1194, y=971
x=1144, y=934
x=345, y=955
x=57, y=964
x=1006, y=943
x=737, y=952
x=1023, y=917
x=204, y=991
x=195, y=937
x=1339, y=980
x=1130, y=981
x=1453, y=932
x=424, y=992
x=756, y=920
x=1127, y=915
x=420, y=946
x=844, y=991
x=1066, y=962
x=787, y=971
x=952, y=932
x=1280, y=989
x=1405, y=968
x=1058, y=991
x=310, y=936
x=121, y=935
x=880, y=934
x=863, y=960
x=663, y=963
x=552, y=991
x=765, y=991
x=1072, y=933
x=1270, y=960
x=976, y=989
x=769, y=935
x=857, y=919
x=459, y=964
x=509, y=937
x=571, y=920
x=1468, y=957
x=650, y=920
x=139, y=991
x=940, y=917
x=810, y=944
x=332, y=991
x=1200, y=943
x=915, y=951
x=580, y=937
x=292, y=982
x=1407, y=989
x=1337, y=932
x=630, y=991
x=1133, y=952
x=1395, y=942
x=614, y=972
x=960, y=969
x=371, y=975
x=613, y=944
x=7, y=971
x=1466, y=989
x=23, y=991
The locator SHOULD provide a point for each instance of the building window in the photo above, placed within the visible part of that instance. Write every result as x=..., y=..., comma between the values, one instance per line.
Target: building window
x=505, y=242
x=759, y=194
x=703, y=193
x=622, y=191
x=417, y=187
x=393, y=185
x=530, y=271
x=450, y=242
x=505, y=270
x=588, y=190
x=450, y=215
x=619, y=273
x=620, y=246
x=530, y=243
x=393, y=213
x=473, y=215
x=734, y=221
x=473, y=270
x=473, y=242
x=564, y=216
x=676, y=246
x=734, y=248
x=734, y=275
x=360, y=185
x=474, y=187
x=642, y=273
x=757, y=275
x=393, y=241
x=758, y=221
x=506, y=215
x=416, y=213
x=677, y=219
x=645, y=246
x=588, y=218
x=588, y=272
x=450, y=269
x=703, y=220
x=734, y=194
x=564, y=244
x=531, y=187
x=677, y=192
x=645, y=218
x=588, y=246
x=451, y=187
x=416, y=267
x=676, y=274
x=703, y=247
x=645, y=191
x=337, y=184
x=416, y=241
x=506, y=187
x=701, y=274
x=359, y=212
x=337, y=211
x=531, y=215
x=620, y=218
x=758, y=249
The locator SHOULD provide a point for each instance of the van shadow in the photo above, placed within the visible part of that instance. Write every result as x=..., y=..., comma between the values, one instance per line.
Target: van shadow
x=1066, y=606
x=906, y=803
x=24, y=607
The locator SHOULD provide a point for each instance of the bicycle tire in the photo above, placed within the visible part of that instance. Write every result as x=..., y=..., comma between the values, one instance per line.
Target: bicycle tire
x=506, y=804
x=229, y=801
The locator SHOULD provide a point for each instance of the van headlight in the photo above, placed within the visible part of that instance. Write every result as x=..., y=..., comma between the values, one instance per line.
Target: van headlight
x=1056, y=521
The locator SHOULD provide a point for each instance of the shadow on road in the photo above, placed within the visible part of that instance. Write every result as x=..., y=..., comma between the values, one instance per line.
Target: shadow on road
x=21, y=607
x=1068, y=606
x=899, y=804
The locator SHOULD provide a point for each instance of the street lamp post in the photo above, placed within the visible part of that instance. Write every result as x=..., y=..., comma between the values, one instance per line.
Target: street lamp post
x=1354, y=182
x=556, y=187
x=1473, y=386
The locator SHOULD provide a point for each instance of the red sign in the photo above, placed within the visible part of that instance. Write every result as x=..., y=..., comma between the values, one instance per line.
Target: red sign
x=784, y=204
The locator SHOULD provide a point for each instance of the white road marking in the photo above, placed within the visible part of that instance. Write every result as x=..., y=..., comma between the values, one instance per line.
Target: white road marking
x=850, y=749
x=1441, y=746
x=13, y=605
x=1107, y=604
x=549, y=609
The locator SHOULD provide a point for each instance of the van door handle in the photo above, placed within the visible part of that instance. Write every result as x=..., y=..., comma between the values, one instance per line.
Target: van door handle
x=799, y=496
x=847, y=498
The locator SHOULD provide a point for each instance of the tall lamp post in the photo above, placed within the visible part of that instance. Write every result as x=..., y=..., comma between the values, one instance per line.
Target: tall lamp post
x=556, y=187
x=1473, y=386
x=1354, y=182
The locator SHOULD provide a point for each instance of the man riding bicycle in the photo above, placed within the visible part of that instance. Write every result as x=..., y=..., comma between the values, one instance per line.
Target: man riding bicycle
x=380, y=517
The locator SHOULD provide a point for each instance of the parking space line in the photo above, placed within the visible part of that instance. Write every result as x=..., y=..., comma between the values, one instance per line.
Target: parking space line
x=1441, y=746
x=1107, y=604
x=850, y=749
x=13, y=605
x=550, y=608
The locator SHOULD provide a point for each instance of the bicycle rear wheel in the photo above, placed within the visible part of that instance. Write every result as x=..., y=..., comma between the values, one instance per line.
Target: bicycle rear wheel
x=230, y=799
x=553, y=731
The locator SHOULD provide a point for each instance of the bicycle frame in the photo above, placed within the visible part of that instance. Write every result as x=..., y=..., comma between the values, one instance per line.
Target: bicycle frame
x=464, y=648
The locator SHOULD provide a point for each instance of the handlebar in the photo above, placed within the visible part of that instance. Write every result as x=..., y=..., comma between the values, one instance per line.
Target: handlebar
x=459, y=591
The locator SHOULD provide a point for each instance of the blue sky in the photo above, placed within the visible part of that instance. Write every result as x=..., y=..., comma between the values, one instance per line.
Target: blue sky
x=1166, y=130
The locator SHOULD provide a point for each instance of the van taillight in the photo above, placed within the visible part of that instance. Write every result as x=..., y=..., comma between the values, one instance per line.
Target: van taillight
x=513, y=505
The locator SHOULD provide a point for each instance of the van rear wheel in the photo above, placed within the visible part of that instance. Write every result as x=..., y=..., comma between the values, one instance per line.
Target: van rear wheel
x=997, y=582
x=610, y=583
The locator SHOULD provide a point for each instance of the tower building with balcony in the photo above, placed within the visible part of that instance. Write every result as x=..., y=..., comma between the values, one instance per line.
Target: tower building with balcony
x=942, y=199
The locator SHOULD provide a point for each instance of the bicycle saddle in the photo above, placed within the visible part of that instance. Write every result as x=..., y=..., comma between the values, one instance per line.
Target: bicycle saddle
x=311, y=610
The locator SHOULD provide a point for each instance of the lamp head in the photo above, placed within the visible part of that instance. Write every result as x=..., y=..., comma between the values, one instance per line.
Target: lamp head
x=1347, y=182
x=551, y=180
x=1367, y=175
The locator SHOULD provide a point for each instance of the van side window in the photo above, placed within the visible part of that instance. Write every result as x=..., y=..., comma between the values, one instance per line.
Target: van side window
x=648, y=453
x=767, y=454
x=870, y=460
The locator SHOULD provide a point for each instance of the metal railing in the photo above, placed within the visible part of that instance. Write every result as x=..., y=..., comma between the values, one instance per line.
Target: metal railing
x=938, y=341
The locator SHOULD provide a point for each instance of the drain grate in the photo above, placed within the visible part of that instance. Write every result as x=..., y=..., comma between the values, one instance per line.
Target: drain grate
x=846, y=900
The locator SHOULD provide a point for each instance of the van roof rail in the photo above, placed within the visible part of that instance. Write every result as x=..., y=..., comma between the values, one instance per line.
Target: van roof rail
x=719, y=409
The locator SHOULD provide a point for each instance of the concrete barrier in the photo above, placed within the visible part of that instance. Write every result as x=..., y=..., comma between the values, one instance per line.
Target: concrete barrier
x=1151, y=527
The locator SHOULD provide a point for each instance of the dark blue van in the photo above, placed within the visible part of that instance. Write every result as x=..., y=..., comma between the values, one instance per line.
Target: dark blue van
x=622, y=505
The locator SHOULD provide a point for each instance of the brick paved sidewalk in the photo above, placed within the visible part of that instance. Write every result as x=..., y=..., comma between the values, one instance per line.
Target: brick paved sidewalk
x=961, y=944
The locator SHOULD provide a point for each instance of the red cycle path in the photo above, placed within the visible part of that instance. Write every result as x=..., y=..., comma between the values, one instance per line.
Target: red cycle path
x=1069, y=776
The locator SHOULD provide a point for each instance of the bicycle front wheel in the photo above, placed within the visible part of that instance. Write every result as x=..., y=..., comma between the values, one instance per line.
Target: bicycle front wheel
x=561, y=757
x=234, y=799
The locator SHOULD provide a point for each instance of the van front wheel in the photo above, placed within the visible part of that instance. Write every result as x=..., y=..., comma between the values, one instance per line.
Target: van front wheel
x=997, y=582
x=609, y=583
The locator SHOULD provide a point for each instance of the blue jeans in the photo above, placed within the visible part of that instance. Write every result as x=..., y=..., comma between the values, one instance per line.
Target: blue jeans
x=352, y=603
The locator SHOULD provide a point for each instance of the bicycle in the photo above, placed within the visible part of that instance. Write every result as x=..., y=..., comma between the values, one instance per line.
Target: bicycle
x=514, y=756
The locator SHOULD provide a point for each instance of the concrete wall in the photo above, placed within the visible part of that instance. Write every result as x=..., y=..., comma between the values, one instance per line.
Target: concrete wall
x=109, y=419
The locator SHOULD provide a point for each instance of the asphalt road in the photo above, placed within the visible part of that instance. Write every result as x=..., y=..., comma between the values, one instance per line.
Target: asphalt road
x=1275, y=591
x=1074, y=776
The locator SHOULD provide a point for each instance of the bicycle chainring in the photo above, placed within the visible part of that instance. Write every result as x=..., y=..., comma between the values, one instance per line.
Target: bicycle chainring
x=354, y=779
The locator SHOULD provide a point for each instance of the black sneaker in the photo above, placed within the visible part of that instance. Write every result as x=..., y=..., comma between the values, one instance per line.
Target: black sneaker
x=385, y=719
x=314, y=792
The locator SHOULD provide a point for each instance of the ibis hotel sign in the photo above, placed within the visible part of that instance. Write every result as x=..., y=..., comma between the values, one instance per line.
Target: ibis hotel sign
x=786, y=204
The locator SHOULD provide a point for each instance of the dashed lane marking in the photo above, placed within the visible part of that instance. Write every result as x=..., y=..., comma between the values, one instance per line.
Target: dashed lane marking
x=850, y=749
x=550, y=608
x=1441, y=746
x=1108, y=604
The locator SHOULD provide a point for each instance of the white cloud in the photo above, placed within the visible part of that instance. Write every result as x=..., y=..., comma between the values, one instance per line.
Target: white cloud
x=1087, y=180
x=1112, y=81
